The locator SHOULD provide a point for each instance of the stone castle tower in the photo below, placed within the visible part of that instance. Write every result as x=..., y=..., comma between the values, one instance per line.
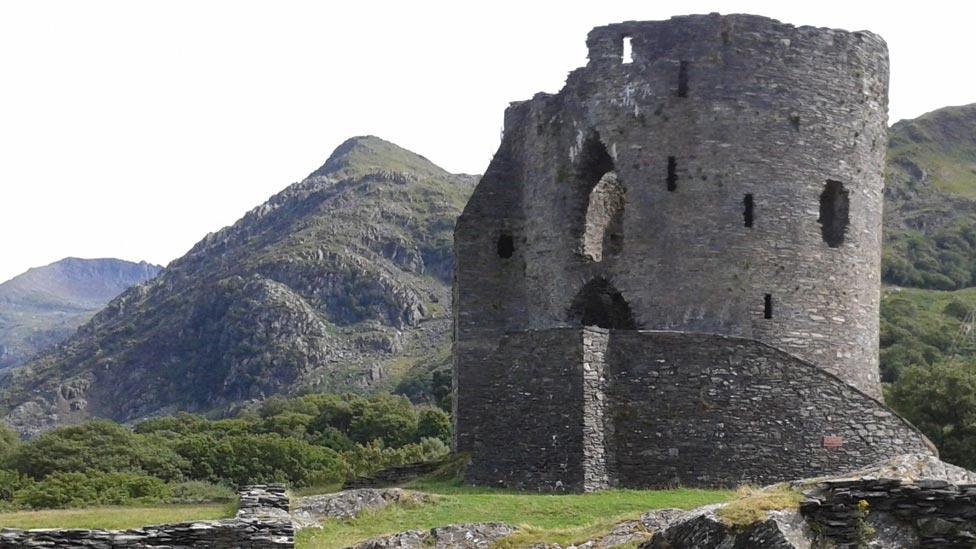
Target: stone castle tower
x=670, y=271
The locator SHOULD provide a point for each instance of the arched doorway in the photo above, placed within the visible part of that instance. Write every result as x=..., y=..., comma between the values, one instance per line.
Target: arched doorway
x=599, y=304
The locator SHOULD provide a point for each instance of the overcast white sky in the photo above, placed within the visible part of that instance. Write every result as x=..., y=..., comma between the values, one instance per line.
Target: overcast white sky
x=131, y=129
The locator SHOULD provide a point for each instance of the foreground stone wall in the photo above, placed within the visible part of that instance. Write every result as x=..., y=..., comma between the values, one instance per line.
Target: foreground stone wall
x=262, y=522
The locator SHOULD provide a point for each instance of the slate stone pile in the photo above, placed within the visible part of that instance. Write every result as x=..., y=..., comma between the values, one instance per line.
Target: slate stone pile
x=262, y=521
x=936, y=513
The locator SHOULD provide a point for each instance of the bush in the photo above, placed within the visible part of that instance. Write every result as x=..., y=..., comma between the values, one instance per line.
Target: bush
x=11, y=482
x=262, y=458
x=98, y=445
x=81, y=489
x=434, y=423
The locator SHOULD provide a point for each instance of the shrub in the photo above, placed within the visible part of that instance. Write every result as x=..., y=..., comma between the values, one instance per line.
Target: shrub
x=11, y=482
x=434, y=423
x=98, y=445
x=260, y=458
x=80, y=489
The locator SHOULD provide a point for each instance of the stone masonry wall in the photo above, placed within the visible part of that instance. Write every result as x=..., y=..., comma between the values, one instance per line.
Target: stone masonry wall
x=708, y=410
x=262, y=522
x=710, y=111
x=522, y=409
x=928, y=513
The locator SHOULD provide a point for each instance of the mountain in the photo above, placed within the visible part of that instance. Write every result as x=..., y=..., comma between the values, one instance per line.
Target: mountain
x=930, y=201
x=44, y=305
x=339, y=282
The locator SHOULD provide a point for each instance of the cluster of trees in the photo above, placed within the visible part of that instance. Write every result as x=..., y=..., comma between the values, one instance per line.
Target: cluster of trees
x=305, y=441
x=928, y=364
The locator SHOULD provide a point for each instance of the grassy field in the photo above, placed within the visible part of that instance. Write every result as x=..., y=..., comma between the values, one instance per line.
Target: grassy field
x=553, y=518
x=115, y=518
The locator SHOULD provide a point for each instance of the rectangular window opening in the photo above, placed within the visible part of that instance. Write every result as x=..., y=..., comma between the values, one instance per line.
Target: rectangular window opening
x=628, y=51
x=683, y=79
x=748, y=210
x=768, y=306
x=672, y=174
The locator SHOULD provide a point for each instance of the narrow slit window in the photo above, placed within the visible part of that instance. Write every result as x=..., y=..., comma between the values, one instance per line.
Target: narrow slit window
x=834, y=213
x=628, y=51
x=747, y=210
x=506, y=245
x=768, y=306
x=672, y=173
x=683, y=79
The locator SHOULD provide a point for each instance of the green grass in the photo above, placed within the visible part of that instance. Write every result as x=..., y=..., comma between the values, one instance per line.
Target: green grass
x=115, y=518
x=553, y=518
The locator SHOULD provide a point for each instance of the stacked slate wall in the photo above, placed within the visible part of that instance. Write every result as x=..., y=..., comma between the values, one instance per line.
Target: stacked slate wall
x=927, y=513
x=709, y=410
x=262, y=522
x=523, y=424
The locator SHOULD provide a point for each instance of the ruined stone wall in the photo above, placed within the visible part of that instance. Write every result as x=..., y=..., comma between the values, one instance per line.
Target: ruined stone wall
x=925, y=513
x=712, y=117
x=708, y=410
x=262, y=522
x=523, y=412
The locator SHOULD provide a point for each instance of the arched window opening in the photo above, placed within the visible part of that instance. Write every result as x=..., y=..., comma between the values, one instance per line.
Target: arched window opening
x=834, y=213
x=768, y=306
x=594, y=161
x=604, y=231
x=598, y=303
x=506, y=245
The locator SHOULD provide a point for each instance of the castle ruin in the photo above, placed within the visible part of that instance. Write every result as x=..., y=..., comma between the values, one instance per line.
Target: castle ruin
x=670, y=272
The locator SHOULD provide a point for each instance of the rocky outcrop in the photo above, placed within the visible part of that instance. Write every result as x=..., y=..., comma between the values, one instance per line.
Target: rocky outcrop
x=324, y=287
x=262, y=522
x=908, y=501
x=455, y=536
x=704, y=529
x=311, y=511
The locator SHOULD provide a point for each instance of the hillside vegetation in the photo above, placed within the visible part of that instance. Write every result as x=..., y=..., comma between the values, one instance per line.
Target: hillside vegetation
x=339, y=282
x=930, y=201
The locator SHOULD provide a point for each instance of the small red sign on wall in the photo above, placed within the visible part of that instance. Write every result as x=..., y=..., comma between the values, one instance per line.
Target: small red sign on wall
x=831, y=441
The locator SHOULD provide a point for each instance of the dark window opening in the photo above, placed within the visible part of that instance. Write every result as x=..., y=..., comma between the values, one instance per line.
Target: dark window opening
x=594, y=161
x=747, y=210
x=628, y=51
x=598, y=303
x=834, y=213
x=795, y=121
x=672, y=173
x=768, y=306
x=683, y=79
x=506, y=245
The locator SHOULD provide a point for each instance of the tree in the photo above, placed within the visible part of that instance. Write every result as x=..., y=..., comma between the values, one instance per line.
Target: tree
x=941, y=401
